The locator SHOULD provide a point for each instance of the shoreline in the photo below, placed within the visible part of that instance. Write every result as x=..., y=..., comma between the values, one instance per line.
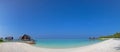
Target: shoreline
x=111, y=45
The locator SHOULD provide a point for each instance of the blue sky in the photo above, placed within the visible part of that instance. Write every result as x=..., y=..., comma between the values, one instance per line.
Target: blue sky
x=59, y=18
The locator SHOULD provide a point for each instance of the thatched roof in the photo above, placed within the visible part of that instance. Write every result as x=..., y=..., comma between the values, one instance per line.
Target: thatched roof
x=25, y=37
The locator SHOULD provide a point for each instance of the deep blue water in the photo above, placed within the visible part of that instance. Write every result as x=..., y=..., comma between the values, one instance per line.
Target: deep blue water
x=64, y=43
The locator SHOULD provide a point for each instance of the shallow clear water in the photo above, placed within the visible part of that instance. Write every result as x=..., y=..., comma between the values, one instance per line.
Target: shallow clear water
x=64, y=43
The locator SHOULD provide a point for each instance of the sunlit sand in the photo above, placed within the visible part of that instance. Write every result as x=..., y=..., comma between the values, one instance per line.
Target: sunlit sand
x=111, y=45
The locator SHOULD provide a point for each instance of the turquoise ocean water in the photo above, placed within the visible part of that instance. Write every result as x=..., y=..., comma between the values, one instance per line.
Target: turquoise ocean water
x=64, y=43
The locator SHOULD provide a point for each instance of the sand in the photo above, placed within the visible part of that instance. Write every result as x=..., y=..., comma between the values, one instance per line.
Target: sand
x=111, y=45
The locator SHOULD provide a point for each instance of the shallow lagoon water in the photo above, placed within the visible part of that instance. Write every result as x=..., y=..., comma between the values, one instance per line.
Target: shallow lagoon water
x=64, y=43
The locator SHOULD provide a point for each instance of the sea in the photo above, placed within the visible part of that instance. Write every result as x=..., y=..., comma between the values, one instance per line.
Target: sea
x=64, y=43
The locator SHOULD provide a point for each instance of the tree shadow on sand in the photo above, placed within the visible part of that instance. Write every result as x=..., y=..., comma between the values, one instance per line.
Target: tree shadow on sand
x=117, y=48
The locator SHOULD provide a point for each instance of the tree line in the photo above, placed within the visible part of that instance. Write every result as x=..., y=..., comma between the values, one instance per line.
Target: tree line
x=116, y=35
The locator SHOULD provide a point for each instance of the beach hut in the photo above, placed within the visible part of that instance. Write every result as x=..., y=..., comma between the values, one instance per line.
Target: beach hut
x=9, y=38
x=26, y=37
x=1, y=38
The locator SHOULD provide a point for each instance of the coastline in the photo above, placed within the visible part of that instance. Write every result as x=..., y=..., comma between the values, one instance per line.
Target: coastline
x=111, y=45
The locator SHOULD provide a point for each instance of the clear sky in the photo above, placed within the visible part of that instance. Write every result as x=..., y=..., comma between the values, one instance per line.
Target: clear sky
x=59, y=18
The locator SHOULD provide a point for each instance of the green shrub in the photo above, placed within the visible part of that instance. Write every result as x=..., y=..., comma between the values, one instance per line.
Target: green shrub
x=1, y=40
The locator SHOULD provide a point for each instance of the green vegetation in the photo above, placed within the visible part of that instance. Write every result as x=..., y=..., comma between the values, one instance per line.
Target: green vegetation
x=1, y=40
x=116, y=35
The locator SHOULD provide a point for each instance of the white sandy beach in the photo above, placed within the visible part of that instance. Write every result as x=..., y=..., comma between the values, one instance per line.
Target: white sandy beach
x=111, y=45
